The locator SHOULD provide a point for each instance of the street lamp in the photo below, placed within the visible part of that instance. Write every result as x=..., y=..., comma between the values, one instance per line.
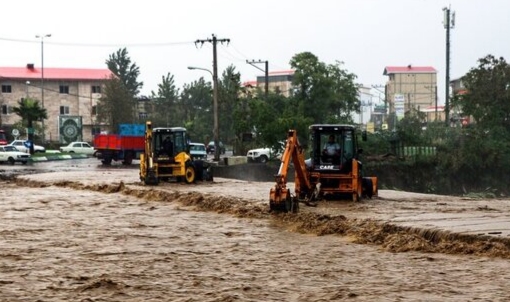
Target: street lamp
x=42, y=76
x=215, y=111
x=28, y=83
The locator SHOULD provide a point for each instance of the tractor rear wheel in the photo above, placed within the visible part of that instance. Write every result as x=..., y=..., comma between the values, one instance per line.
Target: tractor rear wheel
x=368, y=187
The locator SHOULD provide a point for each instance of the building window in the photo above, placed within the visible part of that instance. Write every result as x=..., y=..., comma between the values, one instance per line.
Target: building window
x=5, y=109
x=94, y=110
x=64, y=89
x=64, y=110
x=142, y=115
x=96, y=130
x=96, y=89
x=6, y=89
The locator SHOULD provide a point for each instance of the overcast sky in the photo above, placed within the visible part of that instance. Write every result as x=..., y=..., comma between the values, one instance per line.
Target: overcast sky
x=367, y=35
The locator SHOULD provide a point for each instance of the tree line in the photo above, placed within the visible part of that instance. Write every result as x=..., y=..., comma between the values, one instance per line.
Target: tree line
x=472, y=158
x=322, y=93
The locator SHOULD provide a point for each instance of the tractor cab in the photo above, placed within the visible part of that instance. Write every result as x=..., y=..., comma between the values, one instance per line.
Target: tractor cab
x=333, y=146
x=167, y=143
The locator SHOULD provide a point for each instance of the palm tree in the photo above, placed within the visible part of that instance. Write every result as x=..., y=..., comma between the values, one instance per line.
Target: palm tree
x=30, y=111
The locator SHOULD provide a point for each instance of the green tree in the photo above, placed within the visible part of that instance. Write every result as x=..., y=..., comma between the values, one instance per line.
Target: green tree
x=30, y=111
x=229, y=89
x=487, y=97
x=117, y=105
x=119, y=63
x=197, y=112
x=167, y=111
x=409, y=129
x=325, y=93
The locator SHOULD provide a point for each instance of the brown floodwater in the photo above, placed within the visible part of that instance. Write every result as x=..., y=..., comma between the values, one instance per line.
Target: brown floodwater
x=68, y=238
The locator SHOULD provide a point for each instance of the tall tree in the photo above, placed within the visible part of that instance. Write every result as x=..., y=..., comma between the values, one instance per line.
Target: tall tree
x=229, y=90
x=325, y=93
x=166, y=103
x=30, y=111
x=197, y=110
x=119, y=63
x=487, y=97
x=117, y=105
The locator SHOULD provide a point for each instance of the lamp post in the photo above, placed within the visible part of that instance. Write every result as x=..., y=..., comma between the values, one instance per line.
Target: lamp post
x=215, y=111
x=28, y=83
x=42, y=76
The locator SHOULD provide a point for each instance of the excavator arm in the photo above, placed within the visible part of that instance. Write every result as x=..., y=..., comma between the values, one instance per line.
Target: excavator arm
x=147, y=171
x=280, y=198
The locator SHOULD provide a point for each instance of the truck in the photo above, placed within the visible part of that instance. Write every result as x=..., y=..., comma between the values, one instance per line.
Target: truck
x=323, y=174
x=125, y=146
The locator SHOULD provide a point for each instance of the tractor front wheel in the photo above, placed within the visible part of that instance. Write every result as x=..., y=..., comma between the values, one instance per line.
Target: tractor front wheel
x=189, y=174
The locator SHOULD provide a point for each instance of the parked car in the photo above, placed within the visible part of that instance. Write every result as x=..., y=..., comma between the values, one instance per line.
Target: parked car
x=197, y=151
x=22, y=146
x=263, y=155
x=79, y=147
x=210, y=148
x=12, y=155
x=259, y=155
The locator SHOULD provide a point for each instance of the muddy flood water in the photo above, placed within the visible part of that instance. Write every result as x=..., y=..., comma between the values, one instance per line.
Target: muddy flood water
x=94, y=234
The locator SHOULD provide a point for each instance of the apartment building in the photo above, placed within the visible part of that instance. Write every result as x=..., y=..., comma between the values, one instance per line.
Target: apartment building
x=411, y=88
x=279, y=82
x=70, y=96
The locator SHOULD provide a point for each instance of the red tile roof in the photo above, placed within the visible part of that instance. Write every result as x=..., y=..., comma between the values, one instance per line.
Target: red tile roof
x=408, y=69
x=54, y=73
x=250, y=83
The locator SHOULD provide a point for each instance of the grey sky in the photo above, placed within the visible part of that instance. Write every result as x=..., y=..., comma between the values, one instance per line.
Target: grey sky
x=367, y=35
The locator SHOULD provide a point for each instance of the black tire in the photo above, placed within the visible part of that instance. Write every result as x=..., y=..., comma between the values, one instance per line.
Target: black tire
x=209, y=174
x=368, y=187
x=199, y=169
x=11, y=161
x=128, y=158
x=24, y=162
x=107, y=161
x=263, y=159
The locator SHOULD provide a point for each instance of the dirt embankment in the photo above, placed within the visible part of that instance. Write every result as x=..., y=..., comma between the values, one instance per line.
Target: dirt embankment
x=390, y=237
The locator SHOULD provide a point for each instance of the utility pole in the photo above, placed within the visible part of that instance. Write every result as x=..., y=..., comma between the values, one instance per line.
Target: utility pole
x=266, y=73
x=216, y=130
x=435, y=98
x=42, y=80
x=449, y=23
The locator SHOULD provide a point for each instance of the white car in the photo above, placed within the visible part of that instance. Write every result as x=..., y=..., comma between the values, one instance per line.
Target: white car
x=197, y=151
x=21, y=146
x=79, y=147
x=12, y=155
x=261, y=155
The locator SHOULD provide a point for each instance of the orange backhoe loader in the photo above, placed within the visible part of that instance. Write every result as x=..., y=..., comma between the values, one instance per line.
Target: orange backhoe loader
x=333, y=169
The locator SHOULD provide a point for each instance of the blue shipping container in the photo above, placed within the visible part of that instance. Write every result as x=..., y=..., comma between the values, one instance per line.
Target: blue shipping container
x=132, y=129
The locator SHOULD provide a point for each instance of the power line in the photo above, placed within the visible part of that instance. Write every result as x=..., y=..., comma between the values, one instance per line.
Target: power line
x=154, y=44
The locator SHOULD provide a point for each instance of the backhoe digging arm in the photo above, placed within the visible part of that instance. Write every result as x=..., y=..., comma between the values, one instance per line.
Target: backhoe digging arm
x=280, y=198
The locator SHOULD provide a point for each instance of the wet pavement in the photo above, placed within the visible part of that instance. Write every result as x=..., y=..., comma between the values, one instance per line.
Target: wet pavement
x=77, y=231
